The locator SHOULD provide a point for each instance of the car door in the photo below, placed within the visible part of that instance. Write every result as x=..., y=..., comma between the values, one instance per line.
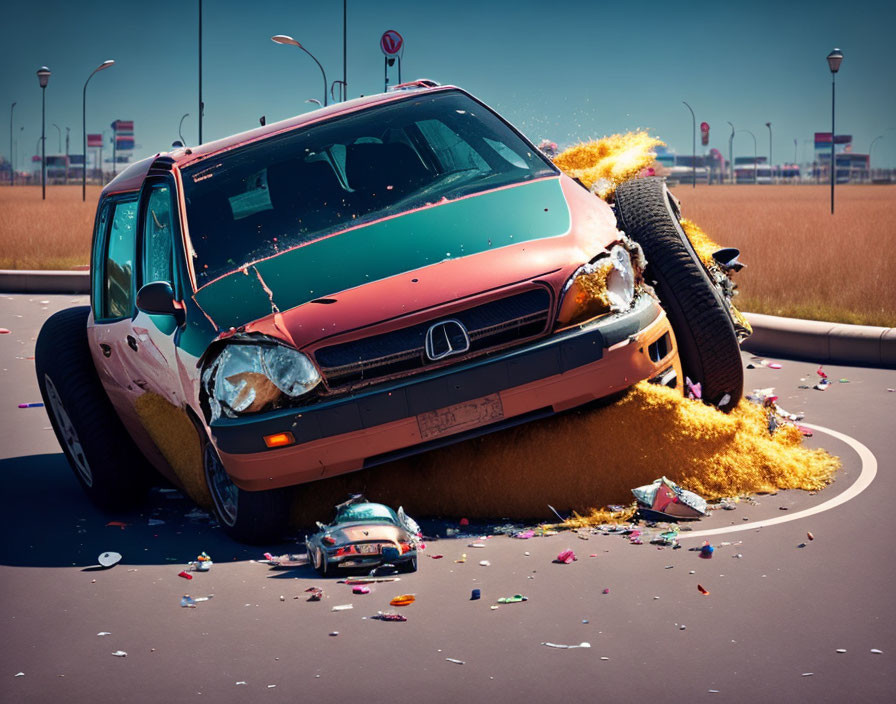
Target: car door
x=152, y=339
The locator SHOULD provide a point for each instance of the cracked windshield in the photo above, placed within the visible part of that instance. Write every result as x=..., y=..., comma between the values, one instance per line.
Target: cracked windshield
x=288, y=191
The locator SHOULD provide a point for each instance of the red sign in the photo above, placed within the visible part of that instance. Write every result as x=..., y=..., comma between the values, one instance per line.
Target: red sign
x=94, y=140
x=704, y=133
x=391, y=42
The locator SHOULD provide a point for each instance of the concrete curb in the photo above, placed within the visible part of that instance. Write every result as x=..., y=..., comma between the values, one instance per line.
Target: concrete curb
x=820, y=341
x=786, y=337
x=38, y=281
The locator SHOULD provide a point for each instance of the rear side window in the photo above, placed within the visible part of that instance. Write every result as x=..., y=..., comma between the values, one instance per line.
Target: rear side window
x=118, y=269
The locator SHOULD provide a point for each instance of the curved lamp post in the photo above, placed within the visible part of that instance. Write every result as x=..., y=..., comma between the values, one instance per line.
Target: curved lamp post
x=43, y=77
x=180, y=125
x=694, y=146
x=835, y=58
x=771, y=168
x=285, y=39
x=105, y=64
x=873, y=142
x=59, y=130
x=755, y=156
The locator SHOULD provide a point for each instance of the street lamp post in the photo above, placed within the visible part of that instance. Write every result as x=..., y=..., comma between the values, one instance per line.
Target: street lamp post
x=59, y=130
x=285, y=39
x=201, y=106
x=67, y=135
x=181, y=124
x=105, y=64
x=835, y=58
x=12, y=163
x=344, y=53
x=694, y=146
x=43, y=77
x=771, y=168
x=873, y=141
x=731, y=151
x=755, y=156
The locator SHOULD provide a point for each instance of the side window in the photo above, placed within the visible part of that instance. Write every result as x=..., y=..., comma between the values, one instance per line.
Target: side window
x=118, y=272
x=157, y=242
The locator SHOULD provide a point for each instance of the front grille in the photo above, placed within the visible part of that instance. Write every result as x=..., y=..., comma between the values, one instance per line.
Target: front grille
x=490, y=326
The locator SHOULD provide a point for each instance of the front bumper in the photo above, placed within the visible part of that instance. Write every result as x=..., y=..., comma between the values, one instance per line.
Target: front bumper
x=415, y=414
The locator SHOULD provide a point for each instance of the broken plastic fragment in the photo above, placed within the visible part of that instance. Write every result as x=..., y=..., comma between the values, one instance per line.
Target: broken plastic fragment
x=456, y=661
x=566, y=557
x=342, y=607
x=104, y=633
x=187, y=602
x=109, y=559
x=568, y=647
x=515, y=599
x=360, y=589
x=185, y=574
x=389, y=616
x=120, y=654
x=666, y=499
x=403, y=600
x=703, y=590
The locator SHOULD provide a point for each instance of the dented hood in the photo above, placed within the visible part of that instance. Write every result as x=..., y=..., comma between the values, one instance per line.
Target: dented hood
x=414, y=261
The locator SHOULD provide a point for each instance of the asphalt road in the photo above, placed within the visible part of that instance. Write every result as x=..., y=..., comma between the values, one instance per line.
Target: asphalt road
x=769, y=630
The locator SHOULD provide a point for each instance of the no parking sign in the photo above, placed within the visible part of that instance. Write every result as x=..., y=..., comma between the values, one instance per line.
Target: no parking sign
x=391, y=42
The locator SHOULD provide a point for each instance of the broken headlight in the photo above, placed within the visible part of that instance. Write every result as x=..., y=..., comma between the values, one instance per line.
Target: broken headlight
x=250, y=377
x=606, y=285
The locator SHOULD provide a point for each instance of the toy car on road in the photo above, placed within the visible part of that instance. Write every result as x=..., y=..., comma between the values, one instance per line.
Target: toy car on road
x=353, y=285
x=364, y=534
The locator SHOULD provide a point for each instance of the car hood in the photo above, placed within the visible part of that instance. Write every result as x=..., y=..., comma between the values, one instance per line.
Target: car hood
x=414, y=261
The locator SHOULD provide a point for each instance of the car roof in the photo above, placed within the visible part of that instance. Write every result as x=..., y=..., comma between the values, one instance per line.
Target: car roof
x=131, y=179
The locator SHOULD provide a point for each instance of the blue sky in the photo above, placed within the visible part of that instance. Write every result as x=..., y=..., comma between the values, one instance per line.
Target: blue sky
x=567, y=71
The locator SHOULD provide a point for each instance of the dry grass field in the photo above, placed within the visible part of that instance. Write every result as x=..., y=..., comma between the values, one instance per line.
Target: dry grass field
x=802, y=261
x=51, y=234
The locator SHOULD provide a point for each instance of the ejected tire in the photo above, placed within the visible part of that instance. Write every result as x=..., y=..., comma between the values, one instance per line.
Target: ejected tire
x=707, y=342
x=105, y=460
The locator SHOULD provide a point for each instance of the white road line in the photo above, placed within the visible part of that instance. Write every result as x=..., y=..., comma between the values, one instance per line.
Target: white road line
x=866, y=476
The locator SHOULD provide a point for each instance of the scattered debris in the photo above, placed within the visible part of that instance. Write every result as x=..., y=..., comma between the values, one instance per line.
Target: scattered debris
x=456, y=661
x=185, y=574
x=109, y=559
x=706, y=551
x=387, y=616
x=120, y=654
x=342, y=607
x=403, y=600
x=187, y=602
x=566, y=557
x=877, y=652
x=117, y=524
x=568, y=647
x=36, y=404
x=475, y=594
x=155, y=522
x=360, y=589
x=664, y=499
x=703, y=590
x=202, y=563
x=104, y=633
x=841, y=650
x=810, y=536
x=484, y=563
x=314, y=593
x=19, y=674
x=334, y=633
x=515, y=599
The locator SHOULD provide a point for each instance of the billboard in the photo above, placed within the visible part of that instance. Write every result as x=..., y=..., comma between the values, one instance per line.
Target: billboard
x=123, y=136
x=94, y=140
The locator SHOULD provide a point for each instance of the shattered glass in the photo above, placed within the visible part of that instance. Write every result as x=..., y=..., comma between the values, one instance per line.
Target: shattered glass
x=621, y=281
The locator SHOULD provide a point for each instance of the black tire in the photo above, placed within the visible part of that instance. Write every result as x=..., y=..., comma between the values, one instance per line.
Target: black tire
x=320, y=563
x=111, y=470
x=707, y=342
x=408, y=565
x=253, y=517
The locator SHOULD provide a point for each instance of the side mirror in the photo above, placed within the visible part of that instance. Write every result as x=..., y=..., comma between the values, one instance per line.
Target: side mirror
x=157, y=298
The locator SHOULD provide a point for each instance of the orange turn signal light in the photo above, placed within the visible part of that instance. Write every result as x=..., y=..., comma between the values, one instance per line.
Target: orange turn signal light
x=279, y=440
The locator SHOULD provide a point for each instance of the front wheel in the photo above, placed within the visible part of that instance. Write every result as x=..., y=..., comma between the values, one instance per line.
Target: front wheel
x=320, y=563
x=247, y=516
x=707, y=341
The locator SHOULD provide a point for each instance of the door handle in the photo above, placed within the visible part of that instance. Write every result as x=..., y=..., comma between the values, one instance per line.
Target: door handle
x=132, y=342
x=107, y=350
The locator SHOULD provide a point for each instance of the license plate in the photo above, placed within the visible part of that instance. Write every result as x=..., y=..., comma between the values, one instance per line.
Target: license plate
x=461, y=416
x=368, y=549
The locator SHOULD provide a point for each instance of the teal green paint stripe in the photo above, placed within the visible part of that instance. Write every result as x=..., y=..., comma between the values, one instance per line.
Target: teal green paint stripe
x=456, y=229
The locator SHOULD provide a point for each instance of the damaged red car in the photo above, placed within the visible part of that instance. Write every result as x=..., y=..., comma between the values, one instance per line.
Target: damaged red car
x=354, y=285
